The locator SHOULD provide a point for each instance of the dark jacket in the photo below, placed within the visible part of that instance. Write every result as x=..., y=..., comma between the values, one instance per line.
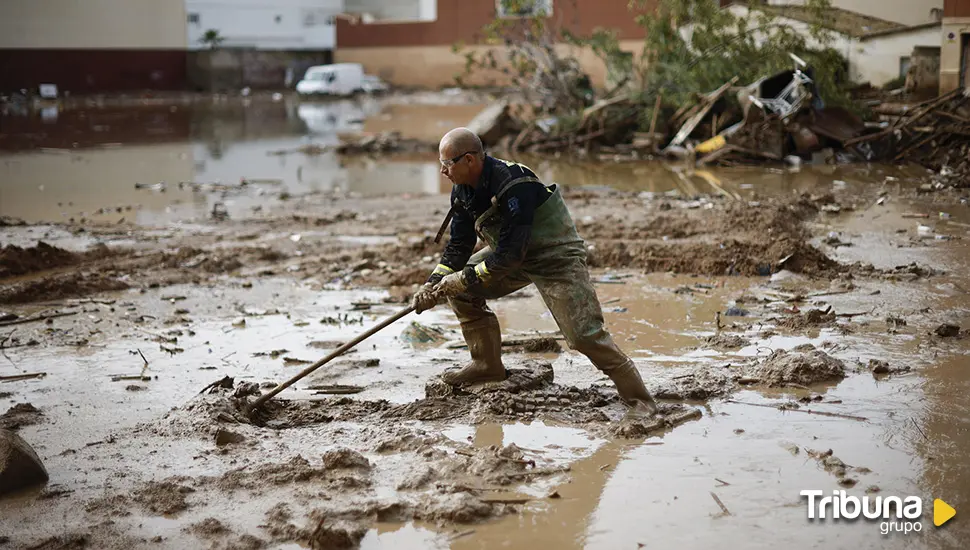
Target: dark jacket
x=517, y=209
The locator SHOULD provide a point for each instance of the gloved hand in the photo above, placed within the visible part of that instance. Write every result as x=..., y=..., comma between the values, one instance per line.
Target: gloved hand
x=451, y=285
x=424, y=299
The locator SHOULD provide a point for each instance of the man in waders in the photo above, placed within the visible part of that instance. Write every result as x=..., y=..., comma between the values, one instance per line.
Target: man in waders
x=531, y=240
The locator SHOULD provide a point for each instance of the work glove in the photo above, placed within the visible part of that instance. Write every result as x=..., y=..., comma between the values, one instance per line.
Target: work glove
x=451, y=285
x=424, y=299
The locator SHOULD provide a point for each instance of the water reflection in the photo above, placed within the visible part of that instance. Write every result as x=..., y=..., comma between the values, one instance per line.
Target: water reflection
x=84, y=163
x=114, y=164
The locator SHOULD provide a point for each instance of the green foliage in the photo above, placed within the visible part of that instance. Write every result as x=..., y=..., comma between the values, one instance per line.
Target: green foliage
x=212, y=38
x=695, y=46
x=605, y=44
x=524, y=50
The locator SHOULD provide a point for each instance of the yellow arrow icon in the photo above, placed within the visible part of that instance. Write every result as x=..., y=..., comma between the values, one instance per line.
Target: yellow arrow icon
x=942, y=512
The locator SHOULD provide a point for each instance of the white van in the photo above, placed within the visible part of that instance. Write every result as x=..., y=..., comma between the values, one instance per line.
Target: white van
x=337, y=79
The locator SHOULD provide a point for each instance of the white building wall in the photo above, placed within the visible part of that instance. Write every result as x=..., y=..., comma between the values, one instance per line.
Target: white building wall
x=265, y=24
x=94, y=24
x=876, y=60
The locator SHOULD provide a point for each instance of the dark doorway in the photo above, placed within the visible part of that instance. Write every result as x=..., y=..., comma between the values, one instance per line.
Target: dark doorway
x=964, y=58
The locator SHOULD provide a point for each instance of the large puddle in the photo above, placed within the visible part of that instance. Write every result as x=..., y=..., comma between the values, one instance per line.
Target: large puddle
x=159, y=164
x=732, y=477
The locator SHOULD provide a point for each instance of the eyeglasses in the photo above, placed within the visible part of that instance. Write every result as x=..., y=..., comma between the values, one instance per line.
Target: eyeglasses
x=451, y=162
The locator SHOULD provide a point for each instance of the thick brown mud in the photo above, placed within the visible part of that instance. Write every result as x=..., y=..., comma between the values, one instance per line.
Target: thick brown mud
x=801, y=329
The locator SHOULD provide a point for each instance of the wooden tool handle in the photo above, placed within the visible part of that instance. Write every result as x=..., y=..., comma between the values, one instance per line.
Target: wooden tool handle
x=336, y=353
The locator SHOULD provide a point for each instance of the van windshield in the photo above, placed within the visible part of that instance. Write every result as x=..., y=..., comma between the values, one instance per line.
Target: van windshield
x=322, y=77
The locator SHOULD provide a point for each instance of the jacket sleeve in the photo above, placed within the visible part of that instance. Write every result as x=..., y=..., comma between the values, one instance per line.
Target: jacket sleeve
x=460, y=246
x=518, y=208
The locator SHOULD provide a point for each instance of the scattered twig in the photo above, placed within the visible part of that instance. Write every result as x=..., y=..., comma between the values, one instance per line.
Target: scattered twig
x=336, y=389
x=508, y=500
x=462, y=534
x=125, y=377
x=806, y=411
x=3, y=349
x=537, y=471
x=851, y=315
x=918, y=428
x=722, y=483
x=724, y=509
x=225, y=382
x=37, y=318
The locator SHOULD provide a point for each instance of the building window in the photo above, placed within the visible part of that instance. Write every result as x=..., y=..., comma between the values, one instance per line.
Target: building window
x=904, y=64
x=315, y=16
x=194, y=18
x=523, y=8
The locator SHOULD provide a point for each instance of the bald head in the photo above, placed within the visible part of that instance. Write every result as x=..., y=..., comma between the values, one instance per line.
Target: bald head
x=462, y=156
x=460, y=141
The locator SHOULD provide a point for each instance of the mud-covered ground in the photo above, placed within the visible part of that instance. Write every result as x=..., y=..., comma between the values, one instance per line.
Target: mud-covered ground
x=775, y=321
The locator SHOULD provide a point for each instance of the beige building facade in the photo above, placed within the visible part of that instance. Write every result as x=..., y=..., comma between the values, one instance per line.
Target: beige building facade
x=955, y=54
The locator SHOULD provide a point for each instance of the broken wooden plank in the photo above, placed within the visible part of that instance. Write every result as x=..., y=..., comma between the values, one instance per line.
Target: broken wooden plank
x=707, y=103
x=335, y=389
x=38, y=318
x=19, y=377
x=507, y=500
x=125, y=377
x=724, y=509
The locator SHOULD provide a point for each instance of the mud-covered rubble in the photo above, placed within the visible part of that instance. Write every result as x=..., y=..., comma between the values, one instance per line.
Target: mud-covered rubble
x=723, y=341
x=342, y=492
x=19, y=415
x=834, y=465
x=782, y=369
x=653, y=233
x=15, y=260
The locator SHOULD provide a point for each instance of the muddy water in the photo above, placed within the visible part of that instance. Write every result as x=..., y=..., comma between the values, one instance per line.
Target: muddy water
x=139, y=164
x=618, y=493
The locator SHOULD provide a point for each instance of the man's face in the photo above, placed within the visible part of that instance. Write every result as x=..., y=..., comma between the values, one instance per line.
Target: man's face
x=456, y=165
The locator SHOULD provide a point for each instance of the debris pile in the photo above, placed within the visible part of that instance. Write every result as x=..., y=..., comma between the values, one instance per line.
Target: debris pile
x=784, y=368
x=934, y=134
x=384, y=142
x=605, y=124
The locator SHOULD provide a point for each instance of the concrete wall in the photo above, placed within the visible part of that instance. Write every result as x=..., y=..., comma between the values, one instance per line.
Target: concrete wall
x=264, y=24
x=231, y=69
x=877, y=60
x=953, y=29
x=924, y=72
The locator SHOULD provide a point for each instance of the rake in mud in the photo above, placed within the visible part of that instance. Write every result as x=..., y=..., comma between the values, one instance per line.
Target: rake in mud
x=256, y=409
